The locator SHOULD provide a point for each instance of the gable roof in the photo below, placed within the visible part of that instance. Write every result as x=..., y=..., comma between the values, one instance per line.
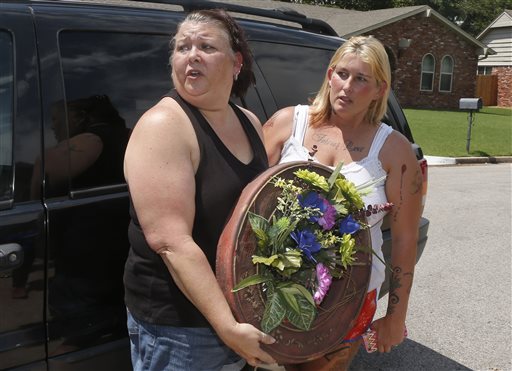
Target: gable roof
x=348, y=22
x=503, y=20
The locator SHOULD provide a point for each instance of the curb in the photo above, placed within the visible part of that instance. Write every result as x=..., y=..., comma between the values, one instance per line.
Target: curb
x=440, y=161
x=484, y=160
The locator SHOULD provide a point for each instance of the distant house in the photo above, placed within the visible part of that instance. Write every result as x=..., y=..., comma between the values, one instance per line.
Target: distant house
x=433, y=60
x=498, y=36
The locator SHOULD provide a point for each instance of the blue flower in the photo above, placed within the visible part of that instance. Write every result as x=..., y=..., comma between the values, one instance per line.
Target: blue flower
x=306, y=241
x=315, y=201
x=349, y=225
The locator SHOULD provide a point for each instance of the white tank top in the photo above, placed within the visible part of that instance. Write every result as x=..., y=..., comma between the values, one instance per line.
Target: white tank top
x=358, y=172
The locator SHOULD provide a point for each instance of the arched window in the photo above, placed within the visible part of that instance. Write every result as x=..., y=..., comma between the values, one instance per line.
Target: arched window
x=427, y=73
x=446, y=74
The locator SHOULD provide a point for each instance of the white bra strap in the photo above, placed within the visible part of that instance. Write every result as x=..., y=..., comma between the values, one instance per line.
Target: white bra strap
x=300, y=122
x=379, y=139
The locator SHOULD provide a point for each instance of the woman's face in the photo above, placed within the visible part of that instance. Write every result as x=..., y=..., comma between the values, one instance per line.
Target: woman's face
x=353, y=86
x=203, y=63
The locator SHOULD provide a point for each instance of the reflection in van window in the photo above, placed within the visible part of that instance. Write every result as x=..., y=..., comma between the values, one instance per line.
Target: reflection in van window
x=6, y=114
x=110, y=80
x=289, y=65
x=131, y=69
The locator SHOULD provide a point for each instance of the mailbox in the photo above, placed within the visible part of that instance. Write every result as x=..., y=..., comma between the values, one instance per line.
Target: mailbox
x=470, y=103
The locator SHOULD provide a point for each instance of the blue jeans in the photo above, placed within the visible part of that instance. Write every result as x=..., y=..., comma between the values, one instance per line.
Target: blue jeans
x=167, y=348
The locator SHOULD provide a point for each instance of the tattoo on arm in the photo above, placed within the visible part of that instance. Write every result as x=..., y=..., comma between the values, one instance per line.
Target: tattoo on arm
x=395, y=282
x=400, y=202
x=417, y=183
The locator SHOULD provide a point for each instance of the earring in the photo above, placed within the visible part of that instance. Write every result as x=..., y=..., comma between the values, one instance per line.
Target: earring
x=238, y=73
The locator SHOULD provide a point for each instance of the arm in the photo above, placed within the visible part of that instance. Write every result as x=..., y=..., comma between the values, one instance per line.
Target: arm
x=71, y=157
x=276, y=132
x=160, y=164
x=403, y=189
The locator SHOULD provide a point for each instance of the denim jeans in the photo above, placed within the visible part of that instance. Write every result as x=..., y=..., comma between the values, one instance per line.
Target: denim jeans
x=167, y=348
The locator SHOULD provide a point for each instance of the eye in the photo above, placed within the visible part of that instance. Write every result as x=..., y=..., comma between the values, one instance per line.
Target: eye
x=207, y=47
x=342, y=74
x=182, y=48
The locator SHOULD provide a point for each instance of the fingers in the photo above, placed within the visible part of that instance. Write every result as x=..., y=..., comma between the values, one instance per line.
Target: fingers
x=262, y=357
x=266, y=338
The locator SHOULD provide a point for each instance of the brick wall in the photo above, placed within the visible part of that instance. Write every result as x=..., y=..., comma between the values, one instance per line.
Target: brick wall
x=504, y=85
x=429, y=35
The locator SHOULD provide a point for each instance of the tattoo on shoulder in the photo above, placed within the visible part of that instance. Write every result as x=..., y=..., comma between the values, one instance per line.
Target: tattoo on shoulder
x=272, y=120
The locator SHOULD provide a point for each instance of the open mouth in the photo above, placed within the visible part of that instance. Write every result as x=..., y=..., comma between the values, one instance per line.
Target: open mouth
x=193, y=73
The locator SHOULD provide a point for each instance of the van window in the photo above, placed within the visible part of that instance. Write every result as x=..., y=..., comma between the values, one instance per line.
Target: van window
x=286, y=66
x=6, y=115
x=110, y=80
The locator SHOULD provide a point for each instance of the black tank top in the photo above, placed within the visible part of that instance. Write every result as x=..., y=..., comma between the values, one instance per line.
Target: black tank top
x=150, y=292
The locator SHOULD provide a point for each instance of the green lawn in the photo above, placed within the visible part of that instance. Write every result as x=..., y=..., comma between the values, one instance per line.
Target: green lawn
x=444, y=133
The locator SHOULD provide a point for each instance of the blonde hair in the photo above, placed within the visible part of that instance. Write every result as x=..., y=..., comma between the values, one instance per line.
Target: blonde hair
x=371, y=51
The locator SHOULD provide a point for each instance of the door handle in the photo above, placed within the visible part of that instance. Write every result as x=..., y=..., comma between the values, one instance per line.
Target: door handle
x=11, y=256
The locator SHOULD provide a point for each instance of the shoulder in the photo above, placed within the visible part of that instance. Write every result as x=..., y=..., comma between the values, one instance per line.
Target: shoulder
x=255, y=121
x=165, y=117
x=396, y=151
x=276, y=132
x=164, y=130
x=280, y=124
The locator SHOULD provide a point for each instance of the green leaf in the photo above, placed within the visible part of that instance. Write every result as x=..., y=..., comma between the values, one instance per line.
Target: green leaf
x=304, y=292
x=290, y=300
x=289, y=262
x=274, y=313
x=304, y=319
x=249, y=281
x=334, y=175
x=256, y=259
x=260, y=228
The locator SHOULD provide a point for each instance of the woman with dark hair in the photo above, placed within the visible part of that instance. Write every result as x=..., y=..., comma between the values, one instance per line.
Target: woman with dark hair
x=188, y=159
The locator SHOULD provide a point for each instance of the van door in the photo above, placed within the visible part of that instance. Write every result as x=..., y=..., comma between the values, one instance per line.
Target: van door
x=98, y=78
x=22, y=236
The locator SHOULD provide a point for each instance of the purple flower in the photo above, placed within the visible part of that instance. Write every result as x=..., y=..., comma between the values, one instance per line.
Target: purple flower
x=328, y=213
x=324, y=280
x=349, y=225
x=306, y=241
x=327, y=220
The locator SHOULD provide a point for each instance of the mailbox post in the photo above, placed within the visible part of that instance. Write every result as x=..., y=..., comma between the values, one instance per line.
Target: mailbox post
x=471, y=105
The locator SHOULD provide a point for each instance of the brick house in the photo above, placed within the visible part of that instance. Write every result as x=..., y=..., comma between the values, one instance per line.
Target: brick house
x=433, y=60
x=498, y=36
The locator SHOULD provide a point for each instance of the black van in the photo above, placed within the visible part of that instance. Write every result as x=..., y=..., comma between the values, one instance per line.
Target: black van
x=63, y=225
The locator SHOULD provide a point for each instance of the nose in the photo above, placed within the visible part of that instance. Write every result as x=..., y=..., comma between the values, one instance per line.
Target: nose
x=193, y=54
x=348, y=84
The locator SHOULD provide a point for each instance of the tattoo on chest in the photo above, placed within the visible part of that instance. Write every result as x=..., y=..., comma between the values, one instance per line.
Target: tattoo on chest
x=324, y=140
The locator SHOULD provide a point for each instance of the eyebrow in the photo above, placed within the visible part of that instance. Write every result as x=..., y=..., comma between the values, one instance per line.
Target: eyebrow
x=343, y=69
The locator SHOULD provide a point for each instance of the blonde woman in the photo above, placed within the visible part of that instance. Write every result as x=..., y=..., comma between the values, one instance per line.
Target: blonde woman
x=343, y=124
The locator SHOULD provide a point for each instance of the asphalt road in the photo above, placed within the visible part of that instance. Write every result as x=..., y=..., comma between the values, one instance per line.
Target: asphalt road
x=460, y=309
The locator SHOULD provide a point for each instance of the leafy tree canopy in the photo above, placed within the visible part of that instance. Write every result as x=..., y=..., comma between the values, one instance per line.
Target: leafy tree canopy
x=473, y=16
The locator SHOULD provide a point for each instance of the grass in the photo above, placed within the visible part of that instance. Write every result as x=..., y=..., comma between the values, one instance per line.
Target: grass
x=444, y=133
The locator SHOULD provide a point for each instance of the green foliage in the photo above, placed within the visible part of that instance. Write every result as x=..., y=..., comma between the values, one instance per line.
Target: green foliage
x=298, y=253
x=444, y=133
